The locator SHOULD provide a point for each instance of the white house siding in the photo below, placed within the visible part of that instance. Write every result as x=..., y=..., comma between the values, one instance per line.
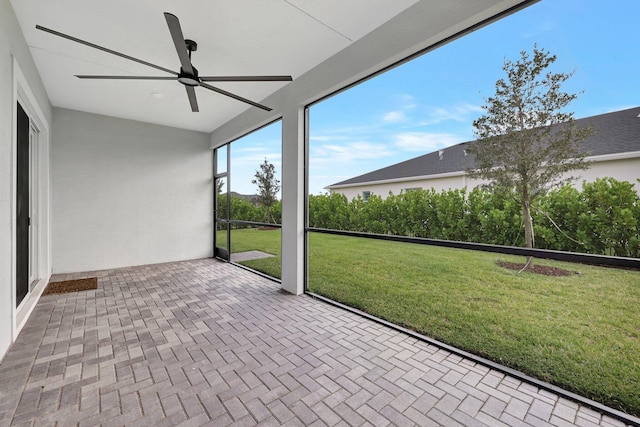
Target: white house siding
x=622, y=169
x=382, y=189
x=615, y=166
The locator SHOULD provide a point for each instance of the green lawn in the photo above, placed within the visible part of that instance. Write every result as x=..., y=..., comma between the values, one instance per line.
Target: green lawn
x=252, y=239
x=580, y=332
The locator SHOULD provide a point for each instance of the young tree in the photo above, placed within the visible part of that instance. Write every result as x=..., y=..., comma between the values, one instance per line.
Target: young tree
x=527, y=142
x=221, y=199
x=268, y=187
x=219, y=185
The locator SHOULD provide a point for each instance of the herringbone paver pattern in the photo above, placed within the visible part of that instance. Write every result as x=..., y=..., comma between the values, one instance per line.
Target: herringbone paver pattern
x=206, y=343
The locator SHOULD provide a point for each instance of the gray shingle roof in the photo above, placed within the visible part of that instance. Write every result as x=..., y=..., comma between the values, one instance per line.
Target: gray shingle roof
x=617, y=132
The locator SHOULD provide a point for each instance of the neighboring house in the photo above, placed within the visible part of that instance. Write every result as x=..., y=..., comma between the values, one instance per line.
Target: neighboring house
x=614, y=150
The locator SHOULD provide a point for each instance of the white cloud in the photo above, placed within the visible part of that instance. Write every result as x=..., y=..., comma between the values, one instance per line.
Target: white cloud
x=459, y=113
x=425, y=141
x=256, y=159
x=325, y=138
x=252, y=149
x=345, y=133
x=536, y=31
x=394, y=117
x=349, y=152
x=408, y=101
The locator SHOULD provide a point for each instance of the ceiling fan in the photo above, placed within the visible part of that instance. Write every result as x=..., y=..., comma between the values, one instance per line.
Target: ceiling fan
x=188, y=74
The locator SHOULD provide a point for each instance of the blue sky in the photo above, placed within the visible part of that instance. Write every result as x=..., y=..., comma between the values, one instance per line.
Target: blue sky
x=430, y=102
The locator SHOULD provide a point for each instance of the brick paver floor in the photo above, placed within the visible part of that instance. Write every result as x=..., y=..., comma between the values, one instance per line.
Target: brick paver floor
x=206, y=343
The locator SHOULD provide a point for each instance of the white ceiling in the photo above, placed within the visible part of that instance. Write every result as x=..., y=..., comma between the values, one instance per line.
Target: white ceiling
x=238, y=37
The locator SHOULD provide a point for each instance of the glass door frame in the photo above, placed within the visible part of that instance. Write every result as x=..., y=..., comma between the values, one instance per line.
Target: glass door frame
x=34, y=220
x=222, y=252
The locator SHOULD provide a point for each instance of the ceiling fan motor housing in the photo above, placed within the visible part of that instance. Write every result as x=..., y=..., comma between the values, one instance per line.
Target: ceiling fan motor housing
x=189, y=79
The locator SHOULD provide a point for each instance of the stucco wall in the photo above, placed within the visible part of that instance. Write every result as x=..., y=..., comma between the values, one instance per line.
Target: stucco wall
x=128, y=193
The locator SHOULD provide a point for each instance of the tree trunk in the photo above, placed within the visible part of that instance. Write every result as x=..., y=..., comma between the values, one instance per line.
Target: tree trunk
x=528, y=232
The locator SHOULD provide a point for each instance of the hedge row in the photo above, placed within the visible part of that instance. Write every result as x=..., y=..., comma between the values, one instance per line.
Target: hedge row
x=243, y=210
x=603, y=218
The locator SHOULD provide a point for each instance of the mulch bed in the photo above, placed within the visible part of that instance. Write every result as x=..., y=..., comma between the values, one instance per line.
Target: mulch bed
x=71, y=286
x=538, y=269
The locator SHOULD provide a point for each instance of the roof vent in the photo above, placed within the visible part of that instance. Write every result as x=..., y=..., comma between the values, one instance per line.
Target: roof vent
x=465, y=152
x=440, y=153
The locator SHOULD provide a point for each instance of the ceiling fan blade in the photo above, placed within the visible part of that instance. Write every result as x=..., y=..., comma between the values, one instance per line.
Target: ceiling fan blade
x=246, y=78
x=178, y=41
x=104, y=49
x=191, y=93
x=234, y=96
x=85, y=76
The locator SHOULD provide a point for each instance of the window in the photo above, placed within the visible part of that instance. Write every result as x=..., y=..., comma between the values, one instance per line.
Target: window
x=248, y=194
x=366, y=195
